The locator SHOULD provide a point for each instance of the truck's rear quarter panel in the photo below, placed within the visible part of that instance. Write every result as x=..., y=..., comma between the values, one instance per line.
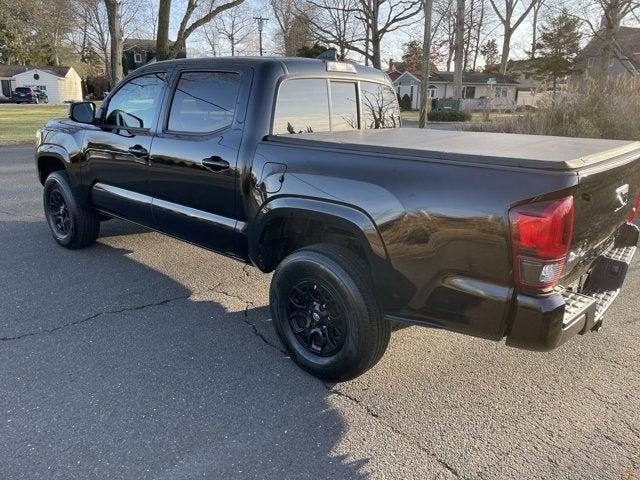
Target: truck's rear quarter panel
x=444, y=225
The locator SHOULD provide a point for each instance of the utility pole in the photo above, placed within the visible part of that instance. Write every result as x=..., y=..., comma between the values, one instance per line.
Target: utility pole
x=261, y=21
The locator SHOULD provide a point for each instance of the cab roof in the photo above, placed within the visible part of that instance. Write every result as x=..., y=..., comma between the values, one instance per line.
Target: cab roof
x=289, y=65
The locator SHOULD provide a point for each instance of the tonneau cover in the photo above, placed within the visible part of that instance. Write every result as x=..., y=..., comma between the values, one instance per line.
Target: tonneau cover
x=515, y=150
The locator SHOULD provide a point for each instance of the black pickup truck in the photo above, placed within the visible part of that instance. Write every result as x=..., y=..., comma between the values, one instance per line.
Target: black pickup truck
x=299, y=166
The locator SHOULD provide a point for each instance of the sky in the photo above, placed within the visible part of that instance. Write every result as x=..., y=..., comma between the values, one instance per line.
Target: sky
x=392, y=45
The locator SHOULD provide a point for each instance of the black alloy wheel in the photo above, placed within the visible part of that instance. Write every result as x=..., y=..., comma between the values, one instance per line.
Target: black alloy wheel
x=59, y=212
x=317, y=317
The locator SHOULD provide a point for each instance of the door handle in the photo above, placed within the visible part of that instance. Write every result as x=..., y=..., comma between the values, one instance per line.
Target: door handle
x=138, y=151
x=215, y=163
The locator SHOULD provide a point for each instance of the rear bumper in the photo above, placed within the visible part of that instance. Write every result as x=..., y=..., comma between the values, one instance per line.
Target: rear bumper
x=544, y=323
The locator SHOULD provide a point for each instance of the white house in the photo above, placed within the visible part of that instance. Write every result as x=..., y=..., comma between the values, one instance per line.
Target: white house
x=62, y=84
x=479, y=90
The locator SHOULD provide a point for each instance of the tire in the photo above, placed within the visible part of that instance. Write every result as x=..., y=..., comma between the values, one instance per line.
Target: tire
x=72, y=224
x=334, y=284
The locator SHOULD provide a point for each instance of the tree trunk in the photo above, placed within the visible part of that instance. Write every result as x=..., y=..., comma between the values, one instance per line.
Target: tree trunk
x=425, y=101
x=459, y=50
x=506, y=49
x=376, y=61
x=476, y=48
x=162, y=37
x=534, y=32
x=611, y=26
x=115, y=31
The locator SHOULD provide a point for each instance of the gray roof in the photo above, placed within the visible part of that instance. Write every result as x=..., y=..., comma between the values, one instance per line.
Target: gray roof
x=628, y=38
x=470, y=78
x=12, y=70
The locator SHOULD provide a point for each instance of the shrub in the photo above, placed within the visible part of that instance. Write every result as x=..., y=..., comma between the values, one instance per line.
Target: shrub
x=405, y=102
x=448, y=116
x=601, y=107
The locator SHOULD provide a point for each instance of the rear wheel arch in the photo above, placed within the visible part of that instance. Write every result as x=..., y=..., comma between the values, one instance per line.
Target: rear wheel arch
x=292, y=214
x=285, y=225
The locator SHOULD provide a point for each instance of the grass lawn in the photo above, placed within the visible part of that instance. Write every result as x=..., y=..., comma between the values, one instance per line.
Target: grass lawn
x=18, y=123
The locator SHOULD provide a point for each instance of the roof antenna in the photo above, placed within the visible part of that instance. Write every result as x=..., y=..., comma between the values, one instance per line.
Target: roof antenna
x=329, y=54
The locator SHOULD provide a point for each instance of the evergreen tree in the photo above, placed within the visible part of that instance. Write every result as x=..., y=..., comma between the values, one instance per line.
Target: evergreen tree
x=558, y=47
x=489, y=52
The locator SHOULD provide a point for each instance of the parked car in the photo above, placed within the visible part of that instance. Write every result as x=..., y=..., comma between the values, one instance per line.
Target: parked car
x=298, y=167
x=30, y=95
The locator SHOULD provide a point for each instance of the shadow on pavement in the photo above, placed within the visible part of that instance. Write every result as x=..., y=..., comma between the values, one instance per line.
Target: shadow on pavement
x=110, y=369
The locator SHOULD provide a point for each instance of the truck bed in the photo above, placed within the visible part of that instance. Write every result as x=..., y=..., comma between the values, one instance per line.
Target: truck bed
x=511, y=150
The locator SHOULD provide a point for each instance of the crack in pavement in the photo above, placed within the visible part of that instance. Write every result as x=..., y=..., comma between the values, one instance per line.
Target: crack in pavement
x=396, y=430
x=214, y=289
x=93, y=317
x=245, y=318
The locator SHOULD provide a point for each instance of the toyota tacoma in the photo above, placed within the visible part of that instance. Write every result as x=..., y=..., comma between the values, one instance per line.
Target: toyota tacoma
x=300, y=167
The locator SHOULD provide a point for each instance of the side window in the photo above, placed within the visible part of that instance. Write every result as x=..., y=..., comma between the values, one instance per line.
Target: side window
x=344, y=106
x=379, y=106
x=302, y=106
x=136, y=103
x=203, y=102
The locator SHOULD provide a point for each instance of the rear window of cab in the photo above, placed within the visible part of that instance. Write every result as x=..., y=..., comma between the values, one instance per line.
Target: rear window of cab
x=306, y=105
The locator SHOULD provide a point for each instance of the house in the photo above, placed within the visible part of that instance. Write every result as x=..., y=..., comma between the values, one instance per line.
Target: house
x=531, y=89
x=140, y=51
x=479, y=90
x=626, y=55
x=61, y=84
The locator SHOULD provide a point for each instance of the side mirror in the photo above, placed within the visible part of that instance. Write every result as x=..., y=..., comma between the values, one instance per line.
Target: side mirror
x=82, y=112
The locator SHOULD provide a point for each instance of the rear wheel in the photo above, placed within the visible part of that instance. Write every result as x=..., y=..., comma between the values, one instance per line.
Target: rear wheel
x=72, y=224
x=326, y=313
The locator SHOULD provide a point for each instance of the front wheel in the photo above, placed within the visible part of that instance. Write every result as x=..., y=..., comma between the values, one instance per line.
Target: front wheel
x=326, y=313
x=72, y=224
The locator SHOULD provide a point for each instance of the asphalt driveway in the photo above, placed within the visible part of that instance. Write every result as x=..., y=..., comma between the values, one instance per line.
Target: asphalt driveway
x=143, y=357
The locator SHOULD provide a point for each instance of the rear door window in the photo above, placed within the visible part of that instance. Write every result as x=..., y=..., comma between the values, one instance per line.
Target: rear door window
x=302, y=107
x=204, y=102
x=379, y=106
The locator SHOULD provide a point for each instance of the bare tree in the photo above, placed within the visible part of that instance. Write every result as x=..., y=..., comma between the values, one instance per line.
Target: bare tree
x=506, y=13
x=294, y=23
x=114, y=17
x=196, y=15
x=613, y=12
x=235, y=25
x=381, y=17
x=534, y=27
x=335, y=24
x=459, y=50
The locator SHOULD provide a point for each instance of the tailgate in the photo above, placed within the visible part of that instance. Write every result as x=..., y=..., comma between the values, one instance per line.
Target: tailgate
x=605, y=197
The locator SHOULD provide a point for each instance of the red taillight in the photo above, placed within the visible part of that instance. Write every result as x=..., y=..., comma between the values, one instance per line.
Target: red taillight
x=634, y=211
x=540, y=234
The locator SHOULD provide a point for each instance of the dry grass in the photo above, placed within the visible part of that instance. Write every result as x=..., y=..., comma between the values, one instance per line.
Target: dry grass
x=590, y=108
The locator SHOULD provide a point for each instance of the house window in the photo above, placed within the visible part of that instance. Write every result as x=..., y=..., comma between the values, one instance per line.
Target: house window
x=590, y=62
x=137, y=58
x=501, y=92
x=411, y=94
x=433, y=91
x=468, y=92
